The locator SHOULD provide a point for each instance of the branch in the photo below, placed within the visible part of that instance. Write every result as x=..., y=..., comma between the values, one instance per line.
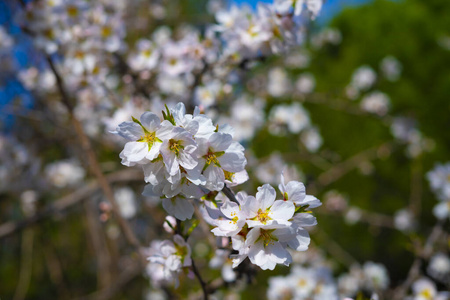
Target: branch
x=423, y=253
x=92, y=160
x=66, y=202
x=346, y=166
x=199, y=277
x=26, y=263
x=229, y=193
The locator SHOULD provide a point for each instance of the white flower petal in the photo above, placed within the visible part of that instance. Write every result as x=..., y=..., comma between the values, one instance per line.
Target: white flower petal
x=266, y=196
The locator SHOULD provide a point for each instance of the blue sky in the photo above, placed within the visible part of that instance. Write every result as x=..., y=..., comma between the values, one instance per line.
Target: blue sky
x=330, y=8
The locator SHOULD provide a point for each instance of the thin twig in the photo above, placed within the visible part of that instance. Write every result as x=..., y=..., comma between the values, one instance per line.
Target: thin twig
x=351, y=163
x=335, y=249
x=423, y=253
x=66, y=202
x=25, y=264
x=371, y=218
x=200, y=279
x=94, y=231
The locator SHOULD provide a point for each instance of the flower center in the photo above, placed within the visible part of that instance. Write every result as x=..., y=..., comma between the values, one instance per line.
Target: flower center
x=211, y=158
x=72, y=11
x=106, y=31
x=426, y=293
x=267, y=237
x=228, y=175
x=263, y=217
x=173, y=61
x=302, y=282
x=175, y=146
x=235, y=218
x=148, y=53
x=149, y=138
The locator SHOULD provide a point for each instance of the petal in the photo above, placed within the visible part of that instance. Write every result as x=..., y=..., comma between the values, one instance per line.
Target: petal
x=135, y=151
x=154, y=151
x=169, y=158
x=282, y=210
x=301, y=240
x=252, y=236
x=304, y=219
x=312, y=201
x=153, y=172
x=284, y=235
x=192, y=127
x=215, y=178
x=187, y=157
x=220, y=141
x=278, y=254
x=180, y=208
x=179, y=112
x=165, y=131
x=150, y=121
x=258, y=256
x=230, y=209
x=130, y=130
x=232, y=161
x=266, y=196
x=296, y=191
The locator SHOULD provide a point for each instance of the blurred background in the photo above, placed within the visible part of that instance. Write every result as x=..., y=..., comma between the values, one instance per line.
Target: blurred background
x=374, y=84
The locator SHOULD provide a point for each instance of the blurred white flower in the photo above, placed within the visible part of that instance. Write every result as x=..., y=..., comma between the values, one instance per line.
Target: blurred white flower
x=404, y=220
x=293, y=117
x=126, y=200
x=391, y=68
x=312, y=139
x=439, y=267
x=376, y=276
x=305, y=84
x=376, y=102
x=279, y=83
x=64, y=173
x=363, y=78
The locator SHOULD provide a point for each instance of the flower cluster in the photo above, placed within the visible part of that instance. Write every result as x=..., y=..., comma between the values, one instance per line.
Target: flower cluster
x=303, y=283
x=183, y=156
x=167, y=259
x=371, y=277
x=261, y=227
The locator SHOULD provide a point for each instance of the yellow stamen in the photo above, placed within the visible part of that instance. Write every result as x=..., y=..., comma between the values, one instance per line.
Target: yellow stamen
x=72, y=11
x=147, y=53
x=426, y=293
x=228, y=175
x=175, y=146
x=106, y=31
x=211, y=158
x=267, y=237
x=149, y=138
x=263, y=217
